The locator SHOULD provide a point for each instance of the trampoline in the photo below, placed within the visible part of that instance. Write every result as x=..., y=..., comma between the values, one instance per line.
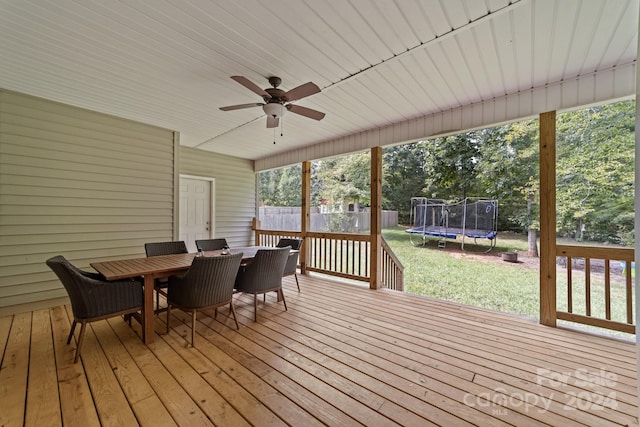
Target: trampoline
x=472, y=218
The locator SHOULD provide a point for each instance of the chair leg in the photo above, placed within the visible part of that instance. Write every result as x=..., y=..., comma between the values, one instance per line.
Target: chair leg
x=283, y=300
x=73, y=328
x=255, y=307
x=168, y=315
x=157, y=302
x=193, y=328
x=297, y=283
x=80, y=340
x=233, y=311
x=215, y=313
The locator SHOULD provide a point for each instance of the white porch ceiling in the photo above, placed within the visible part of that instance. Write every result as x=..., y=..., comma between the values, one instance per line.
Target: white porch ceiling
x=378, y=63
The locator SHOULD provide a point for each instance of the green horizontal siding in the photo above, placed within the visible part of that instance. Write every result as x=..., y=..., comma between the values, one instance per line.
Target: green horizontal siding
x=79, y=183
x=234, y=188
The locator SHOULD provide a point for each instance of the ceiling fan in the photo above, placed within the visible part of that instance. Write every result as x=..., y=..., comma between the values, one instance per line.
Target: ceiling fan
x=276, y=101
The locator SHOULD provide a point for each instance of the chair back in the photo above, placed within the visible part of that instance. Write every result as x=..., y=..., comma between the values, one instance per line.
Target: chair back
x=295, y=244
x=209, y=281
x=264, y=272
x=72, y=281
x=165, y=248
x=211, y=244
x=292, y=262
x=91, y=297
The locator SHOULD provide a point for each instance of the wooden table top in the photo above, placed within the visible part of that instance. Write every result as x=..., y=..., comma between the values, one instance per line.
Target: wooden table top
x=133, y=267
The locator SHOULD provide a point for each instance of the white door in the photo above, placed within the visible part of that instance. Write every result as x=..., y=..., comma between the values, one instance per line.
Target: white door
x=195, y=210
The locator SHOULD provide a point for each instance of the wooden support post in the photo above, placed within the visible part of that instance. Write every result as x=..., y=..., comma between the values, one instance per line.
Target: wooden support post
x=376, y=218
x=548, y=313
x=255, y=225
x=305, y=224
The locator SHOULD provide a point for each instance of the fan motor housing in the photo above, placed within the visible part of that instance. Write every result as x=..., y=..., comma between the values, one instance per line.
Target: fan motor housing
x=277, y=95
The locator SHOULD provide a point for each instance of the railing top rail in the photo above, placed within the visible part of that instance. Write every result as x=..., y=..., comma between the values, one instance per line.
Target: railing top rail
x=597, y=252
x=317, y=235
x=340, y=236
x=278, y=232
x=392, y=255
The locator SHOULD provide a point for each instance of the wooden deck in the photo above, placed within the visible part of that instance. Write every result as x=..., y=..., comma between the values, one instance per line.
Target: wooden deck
x=342, y=355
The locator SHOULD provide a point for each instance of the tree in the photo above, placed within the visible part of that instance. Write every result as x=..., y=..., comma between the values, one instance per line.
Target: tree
x=404, y=177
x=451, y=169
x=280, y=187
x=289, y=189
x=268, y=186
x=509, y=169
x=346, y=179
x=595, y=172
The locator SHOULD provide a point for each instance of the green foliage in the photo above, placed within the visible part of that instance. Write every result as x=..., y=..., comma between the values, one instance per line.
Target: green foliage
x=452, y=166
x=404, y=177
x=346, y=179
x=509, y=172
x=595, y=173
x=281, y=187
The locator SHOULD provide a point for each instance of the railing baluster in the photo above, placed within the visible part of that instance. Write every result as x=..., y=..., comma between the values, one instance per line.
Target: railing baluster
x=569, y=286
x=607, y=290
x=366, y=258
x=629, y=281
x=347, y=259
x=587, y=285
x=359, y=258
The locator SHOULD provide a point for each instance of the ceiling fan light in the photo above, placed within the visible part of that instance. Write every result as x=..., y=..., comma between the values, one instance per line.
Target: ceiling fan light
x=274, y=109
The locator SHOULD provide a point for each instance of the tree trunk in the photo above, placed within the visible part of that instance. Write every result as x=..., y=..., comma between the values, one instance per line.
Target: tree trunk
x=533, y=243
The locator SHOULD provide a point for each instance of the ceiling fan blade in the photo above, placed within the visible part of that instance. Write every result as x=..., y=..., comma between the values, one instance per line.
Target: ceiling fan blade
x=272, y=122
x=302, y=91
x=251, y=86
x=304, y=111
x=240, y=106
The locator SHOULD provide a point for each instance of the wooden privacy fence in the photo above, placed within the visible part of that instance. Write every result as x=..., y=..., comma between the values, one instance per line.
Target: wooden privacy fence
x=288, y=218
x=608, y=277
x=341, y=254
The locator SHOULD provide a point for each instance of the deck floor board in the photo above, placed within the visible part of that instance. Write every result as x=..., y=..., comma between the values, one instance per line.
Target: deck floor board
x=341, y=355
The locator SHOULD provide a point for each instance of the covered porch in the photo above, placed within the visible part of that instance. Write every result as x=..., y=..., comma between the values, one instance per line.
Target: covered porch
x=341, y=355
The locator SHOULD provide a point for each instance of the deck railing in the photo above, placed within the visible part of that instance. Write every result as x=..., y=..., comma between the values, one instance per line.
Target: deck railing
x=271, y=237
x=608, y=276
x=343, y=255
x=337, y=254
x=392, y=269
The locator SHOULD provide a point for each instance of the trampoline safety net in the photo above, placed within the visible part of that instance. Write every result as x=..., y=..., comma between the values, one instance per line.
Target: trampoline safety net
x=473, y=217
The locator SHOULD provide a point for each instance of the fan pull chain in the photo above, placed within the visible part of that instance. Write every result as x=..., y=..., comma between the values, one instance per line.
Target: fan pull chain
x=274, y=136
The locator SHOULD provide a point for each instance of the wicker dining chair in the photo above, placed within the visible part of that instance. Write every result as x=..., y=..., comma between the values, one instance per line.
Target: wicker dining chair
x=207, y=284
x=93, y=298
x=164, y=248
x=263, y=274
x=292, y=262
x=211, y=244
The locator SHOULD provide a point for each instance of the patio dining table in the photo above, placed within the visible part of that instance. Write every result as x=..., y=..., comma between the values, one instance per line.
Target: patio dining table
x=157, y=267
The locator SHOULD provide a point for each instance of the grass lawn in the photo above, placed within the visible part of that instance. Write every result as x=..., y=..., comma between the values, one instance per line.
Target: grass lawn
x=434, y=272
x=488, y=282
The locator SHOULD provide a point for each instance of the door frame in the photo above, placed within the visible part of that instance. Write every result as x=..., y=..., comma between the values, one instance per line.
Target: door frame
x=212, y=197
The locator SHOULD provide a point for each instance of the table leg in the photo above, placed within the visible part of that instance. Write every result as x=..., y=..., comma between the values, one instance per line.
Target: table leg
x=148, y=314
